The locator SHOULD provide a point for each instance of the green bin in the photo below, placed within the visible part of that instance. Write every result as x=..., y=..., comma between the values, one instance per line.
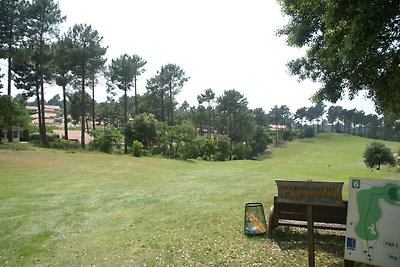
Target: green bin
x=254, y=219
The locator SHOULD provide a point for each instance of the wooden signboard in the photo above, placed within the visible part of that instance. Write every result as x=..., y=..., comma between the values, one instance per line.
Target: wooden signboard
x=310, y=192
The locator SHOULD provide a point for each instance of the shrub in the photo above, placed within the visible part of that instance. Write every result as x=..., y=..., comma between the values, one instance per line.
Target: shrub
x=223, y=143
x=376, y=154
x=308, y=132
x=50, y=137
x=206, y=147
x=157, y=150
x=143, y=128
x=25, y=135
x=64, y=144
x=35, y=137
x=146, y=152
x=137, y=148
x=189, y=151
x=104, y=141
x=260, y=140
x=241, y=151
x=287, y=135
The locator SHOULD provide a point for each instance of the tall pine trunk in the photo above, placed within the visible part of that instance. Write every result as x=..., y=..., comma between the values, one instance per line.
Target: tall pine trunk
x=136, y=100
x=93, y=110
x=9, y=56
x=125, y=119
x=65, y=114
x=162, y=105
x=39, y=109
x=9, y=130
x=43, y=114
x=171, y=122
x=9, y=71
x=41, y=85
x=83, y=106
x=209, y=121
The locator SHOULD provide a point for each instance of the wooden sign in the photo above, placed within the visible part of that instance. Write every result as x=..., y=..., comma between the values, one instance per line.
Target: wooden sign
x=310, y=192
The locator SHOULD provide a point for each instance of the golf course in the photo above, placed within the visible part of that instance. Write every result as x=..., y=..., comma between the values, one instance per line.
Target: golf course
x=80, y=208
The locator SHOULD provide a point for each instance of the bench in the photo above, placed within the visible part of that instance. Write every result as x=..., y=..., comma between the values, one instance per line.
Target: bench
x=290, y=207
x=292, y=214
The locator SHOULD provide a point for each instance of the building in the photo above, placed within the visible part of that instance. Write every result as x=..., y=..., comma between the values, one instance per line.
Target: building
x=51, y=114
x=16, y=133
x=53, y=117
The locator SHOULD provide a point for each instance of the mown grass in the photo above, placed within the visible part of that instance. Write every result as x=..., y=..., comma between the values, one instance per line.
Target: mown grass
x=59, y=208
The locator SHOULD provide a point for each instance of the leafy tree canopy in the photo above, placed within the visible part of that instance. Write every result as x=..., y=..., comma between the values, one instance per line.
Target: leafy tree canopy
x=121, y=71
x=144, y=129
x=352, y=45
x=376, y=154
x=75, y=104
x=12, y=113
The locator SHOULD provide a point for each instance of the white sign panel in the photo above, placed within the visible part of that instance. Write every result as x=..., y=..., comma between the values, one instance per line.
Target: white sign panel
x=373, y=222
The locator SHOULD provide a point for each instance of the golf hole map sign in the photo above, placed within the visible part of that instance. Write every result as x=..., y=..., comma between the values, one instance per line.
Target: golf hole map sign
x=373, y=222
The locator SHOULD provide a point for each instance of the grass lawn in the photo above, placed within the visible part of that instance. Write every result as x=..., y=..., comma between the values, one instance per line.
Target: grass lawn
x=68, y=209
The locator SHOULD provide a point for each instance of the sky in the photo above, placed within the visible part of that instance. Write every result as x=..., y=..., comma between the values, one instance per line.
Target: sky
x=220, y=44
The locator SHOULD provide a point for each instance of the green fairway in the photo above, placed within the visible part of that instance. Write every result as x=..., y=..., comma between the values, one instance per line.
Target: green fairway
x=69, y=209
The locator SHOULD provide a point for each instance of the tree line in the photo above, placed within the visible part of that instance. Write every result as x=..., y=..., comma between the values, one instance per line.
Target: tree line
x=226, y=120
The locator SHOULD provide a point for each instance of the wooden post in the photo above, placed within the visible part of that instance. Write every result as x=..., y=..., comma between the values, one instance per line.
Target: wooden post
x=310, y=238
x=310, y=193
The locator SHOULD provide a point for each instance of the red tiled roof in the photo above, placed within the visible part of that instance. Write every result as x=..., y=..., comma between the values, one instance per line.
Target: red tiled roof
x=74, y=135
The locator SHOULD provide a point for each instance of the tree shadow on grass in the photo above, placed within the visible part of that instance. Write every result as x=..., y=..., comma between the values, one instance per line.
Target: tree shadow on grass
x=330, y=242
x=14, y=146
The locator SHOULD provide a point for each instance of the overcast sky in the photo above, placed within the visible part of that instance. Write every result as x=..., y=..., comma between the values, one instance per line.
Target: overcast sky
x=220, y=44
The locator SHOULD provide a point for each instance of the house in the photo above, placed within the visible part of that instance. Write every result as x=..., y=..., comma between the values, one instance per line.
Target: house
x=51, y=112
x=277, y=127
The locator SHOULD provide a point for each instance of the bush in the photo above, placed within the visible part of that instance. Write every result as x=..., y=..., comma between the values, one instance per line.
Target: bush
x=50, y=137
x=137, y=148
x=146, y=153
x=104, y=141
x=296, y=133
x=25, y=135
x=287, y=135
x=35, y=137
x=377, y=154
x=157, y=150
x=64, y=144
x=241, y=151
x=143, y=128
x=223, y=143
x=206, y=147
x=308, y=132
x=260, y=140
x=189, y=151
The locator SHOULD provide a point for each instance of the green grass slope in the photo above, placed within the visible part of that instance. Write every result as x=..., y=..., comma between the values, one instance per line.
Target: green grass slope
x=67, y=209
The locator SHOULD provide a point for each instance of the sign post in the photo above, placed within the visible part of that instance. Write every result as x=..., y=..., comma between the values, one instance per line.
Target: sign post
x=310, y=237
x=310, y=193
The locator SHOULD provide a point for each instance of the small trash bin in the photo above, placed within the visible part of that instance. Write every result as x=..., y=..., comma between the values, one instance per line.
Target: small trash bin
x=254, y=219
